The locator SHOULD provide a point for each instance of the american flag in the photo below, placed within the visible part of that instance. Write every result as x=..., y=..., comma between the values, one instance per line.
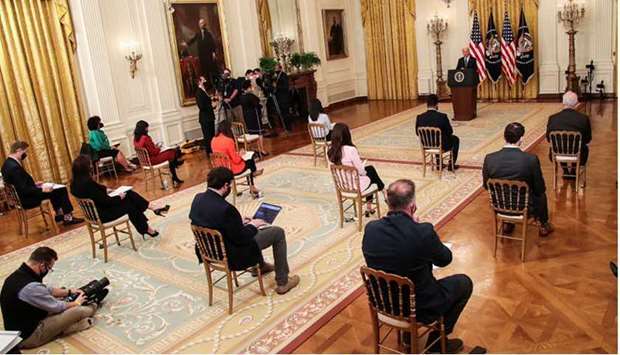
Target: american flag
x=509, y=51
x=476, y=47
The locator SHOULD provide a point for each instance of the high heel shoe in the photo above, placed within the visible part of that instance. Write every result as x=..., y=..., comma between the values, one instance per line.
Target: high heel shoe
x=162, y=211
x=152, y=235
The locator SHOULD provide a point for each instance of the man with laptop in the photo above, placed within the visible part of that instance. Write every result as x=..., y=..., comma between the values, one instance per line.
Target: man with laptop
x=244, y=238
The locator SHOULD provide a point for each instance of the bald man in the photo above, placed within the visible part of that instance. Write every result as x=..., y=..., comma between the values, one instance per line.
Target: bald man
x=400, y=244
x=572, y=120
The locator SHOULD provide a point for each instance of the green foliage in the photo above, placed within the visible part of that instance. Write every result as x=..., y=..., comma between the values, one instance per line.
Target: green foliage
x=267, y=64
x=309, y=60
x=296, y=60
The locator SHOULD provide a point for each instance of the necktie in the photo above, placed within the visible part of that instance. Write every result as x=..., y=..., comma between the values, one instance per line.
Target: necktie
x=466, y=60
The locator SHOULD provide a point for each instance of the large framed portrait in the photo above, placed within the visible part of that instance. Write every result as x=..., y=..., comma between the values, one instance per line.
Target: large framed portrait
x=199, y=46
x=334, y=34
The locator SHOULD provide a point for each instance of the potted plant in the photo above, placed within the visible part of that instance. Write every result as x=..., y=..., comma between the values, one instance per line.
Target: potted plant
x=267, y=64
x=297, y=60
x=309, y=60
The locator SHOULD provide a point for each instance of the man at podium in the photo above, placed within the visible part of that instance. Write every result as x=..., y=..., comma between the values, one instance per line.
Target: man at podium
x=466, y=61
x=463, y=83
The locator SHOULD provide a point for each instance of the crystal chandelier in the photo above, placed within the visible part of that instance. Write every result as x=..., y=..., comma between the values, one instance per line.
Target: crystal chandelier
x=437, y=25
x=571, y=14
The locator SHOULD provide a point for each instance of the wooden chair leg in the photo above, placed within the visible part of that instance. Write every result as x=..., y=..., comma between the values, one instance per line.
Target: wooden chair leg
x=25, y=222
x=234, y=273
x=360, y=214
x=524, y=236
x=209, y=281
x=442, y=336
x=375, y=330
x=496, y=229
x=234, y=192
x=555, y=175
x=230, y=291
x=92, y=241
x=130, y=233
x=423, y=164
x=118, y=241
x=414, y=347
x=105, y=246
x=341, y=210
x=577, y=175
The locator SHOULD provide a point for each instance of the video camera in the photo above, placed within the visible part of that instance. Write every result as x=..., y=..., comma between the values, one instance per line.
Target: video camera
x=94, y=291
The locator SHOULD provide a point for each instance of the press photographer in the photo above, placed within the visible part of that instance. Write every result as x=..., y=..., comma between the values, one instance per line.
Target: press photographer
x=229, y=89
x=42, y=313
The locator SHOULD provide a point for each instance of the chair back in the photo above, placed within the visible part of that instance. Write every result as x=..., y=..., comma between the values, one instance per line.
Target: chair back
x=238, y=129
x=430, y=137
x=346, y=179
x=143, y=157
x=12, y=196
x=211, y=245
x=390, y=295
x=508, y=196
x=317, y=132
x=565, y=143
x=220, y=160
x=89, y=210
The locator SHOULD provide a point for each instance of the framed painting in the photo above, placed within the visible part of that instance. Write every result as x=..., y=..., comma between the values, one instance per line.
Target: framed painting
x=198, y=41
x=334, y=34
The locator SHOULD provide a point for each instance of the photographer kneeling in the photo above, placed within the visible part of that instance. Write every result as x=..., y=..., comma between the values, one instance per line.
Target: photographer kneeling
x=39, y=312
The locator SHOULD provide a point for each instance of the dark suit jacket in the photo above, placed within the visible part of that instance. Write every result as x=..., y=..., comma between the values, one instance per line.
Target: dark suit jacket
x=514, y=164
x=107, y=207
x=251, y=104
x=471, y=63
x=206, y=49
x=211, y=210
x=282, y=87
x=434, y=118
x=399, y=245
x=203, y=101
x=29, y=194
x=571, y=120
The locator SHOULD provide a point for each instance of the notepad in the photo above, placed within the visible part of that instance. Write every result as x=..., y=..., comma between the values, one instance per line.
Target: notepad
x=248, y=155
x=51, y=185
x=120, y=190
x=8, y=340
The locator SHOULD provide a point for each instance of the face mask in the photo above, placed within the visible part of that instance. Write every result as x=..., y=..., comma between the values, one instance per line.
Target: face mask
x=101, y=125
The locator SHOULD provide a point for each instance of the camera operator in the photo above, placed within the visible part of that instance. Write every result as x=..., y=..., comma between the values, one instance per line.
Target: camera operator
x=40, y=312
x=230, y=92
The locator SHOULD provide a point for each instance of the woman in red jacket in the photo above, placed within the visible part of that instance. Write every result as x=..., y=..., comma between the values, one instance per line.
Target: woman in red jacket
x=142, y=140
x=224, y=143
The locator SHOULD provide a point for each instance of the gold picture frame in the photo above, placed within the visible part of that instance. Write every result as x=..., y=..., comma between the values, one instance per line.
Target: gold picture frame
x=185, y=79
x=335, y=48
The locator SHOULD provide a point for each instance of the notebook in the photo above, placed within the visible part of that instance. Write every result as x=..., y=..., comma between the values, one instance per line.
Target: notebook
x=120, y=190
x=8, y=340
x=247, y=155
x=267, y=212
x=51, y=185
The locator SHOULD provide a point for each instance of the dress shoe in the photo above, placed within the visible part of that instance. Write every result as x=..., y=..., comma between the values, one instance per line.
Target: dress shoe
x=507, y=228
x=292, y=282
x=453, y=346
x=545, y=229
x=152, y=235
x=265, y=269
x=72, y=221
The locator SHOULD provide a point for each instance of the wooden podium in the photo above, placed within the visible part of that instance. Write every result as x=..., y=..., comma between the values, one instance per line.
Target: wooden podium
x=463, y=84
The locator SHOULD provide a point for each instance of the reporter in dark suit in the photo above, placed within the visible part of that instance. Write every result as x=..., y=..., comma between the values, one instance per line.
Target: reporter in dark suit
x=571, y=120
x=31, y=194
x=242, y=238
x=511, y=163
x=109, y=208
x=206, y=116
x=399, y=244
x=433, y=118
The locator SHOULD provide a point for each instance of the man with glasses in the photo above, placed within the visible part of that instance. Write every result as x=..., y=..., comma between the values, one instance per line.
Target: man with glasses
x=42, y=313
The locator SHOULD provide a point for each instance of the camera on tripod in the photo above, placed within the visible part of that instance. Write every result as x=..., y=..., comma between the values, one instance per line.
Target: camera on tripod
x=94, y=291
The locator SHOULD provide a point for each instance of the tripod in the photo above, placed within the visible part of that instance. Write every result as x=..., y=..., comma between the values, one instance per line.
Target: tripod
x=278, y=112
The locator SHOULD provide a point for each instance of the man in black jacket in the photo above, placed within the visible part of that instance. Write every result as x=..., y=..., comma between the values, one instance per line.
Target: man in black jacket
x=433, y=118
x=571, y=120
x=31, y=194
x=400, y=244
x=206, y=116
x=511, y=163
x=467, y=61
x=283, y=95
x=242, y=238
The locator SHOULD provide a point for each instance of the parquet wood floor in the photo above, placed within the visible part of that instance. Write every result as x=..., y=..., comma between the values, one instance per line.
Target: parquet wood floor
x=562, y=300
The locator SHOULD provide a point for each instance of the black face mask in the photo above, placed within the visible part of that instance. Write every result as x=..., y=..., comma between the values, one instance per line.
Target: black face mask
x=23, y=156
x=101, y=125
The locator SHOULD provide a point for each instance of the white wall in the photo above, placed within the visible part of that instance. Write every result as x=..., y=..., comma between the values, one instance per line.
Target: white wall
x=102, y=25
x=594, y=41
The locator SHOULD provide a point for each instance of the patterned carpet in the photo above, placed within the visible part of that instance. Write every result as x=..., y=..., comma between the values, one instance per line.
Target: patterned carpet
x=394, y=138
x=158, y=299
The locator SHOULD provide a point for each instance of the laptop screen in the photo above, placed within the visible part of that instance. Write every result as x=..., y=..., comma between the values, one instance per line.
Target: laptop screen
x=267, y=212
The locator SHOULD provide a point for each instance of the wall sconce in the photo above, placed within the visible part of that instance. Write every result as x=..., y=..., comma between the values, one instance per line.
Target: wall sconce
x=133, y=57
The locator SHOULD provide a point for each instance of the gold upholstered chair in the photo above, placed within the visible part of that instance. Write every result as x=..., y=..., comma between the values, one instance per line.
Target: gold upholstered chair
x=320, y=144
x=152, y=172
x=242, y=180
x=347, y=183
x=104, y=166
x=391, y=299
x=566, y=149
x=509, y=200
x=213, y=254
x=242, y=136
x=432, y=149
x=98, y=230
x=45, y=210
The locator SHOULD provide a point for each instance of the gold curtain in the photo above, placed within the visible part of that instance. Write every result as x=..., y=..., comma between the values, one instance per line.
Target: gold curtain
x=39, y=93
x=502, y=90
x=264, y=26
x=391, y=59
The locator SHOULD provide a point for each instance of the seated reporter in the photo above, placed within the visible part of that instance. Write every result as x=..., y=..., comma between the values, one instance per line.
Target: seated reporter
x=242, y=238
x=99, y=142
x=400, y=244
x=433, y=118
x=38, y=311
x=317, y=115
x=224, y=142
x=141, y=139
x=31, y=194
x=109, y=208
